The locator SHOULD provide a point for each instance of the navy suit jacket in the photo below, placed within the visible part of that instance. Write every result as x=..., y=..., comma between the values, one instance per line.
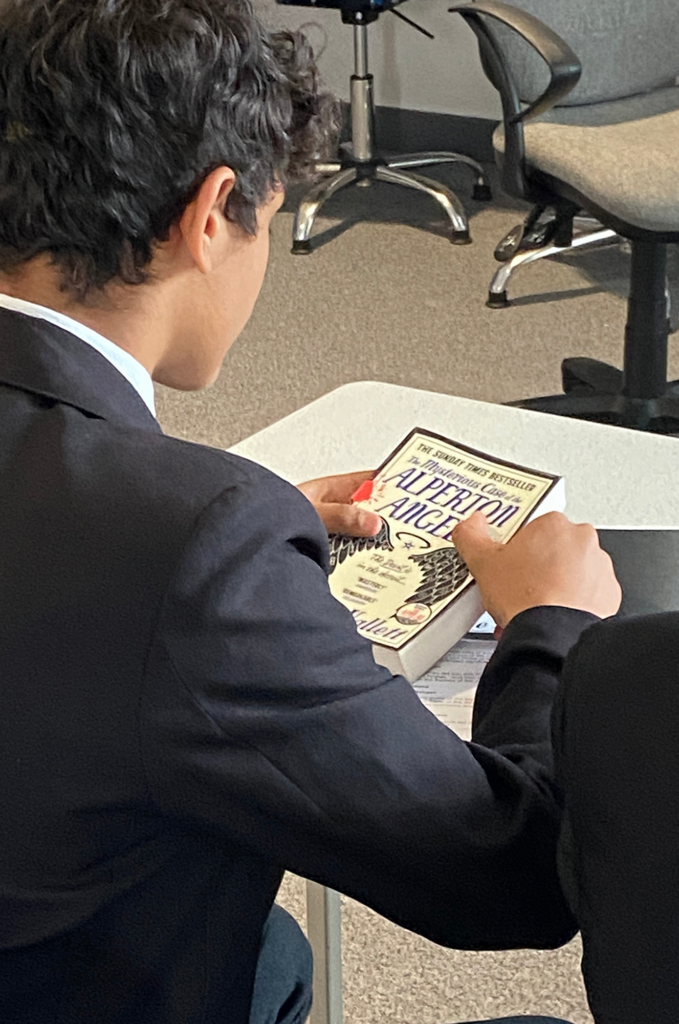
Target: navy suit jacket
x=186, y=712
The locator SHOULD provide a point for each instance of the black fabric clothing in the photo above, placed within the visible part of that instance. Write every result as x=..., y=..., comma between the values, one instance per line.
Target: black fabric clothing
x=185, y=712
x=616, y=736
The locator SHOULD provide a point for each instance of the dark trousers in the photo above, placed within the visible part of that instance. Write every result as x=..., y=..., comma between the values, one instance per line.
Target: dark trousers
x=282, y=992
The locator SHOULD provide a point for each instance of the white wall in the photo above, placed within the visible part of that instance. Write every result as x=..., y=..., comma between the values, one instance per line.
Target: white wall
x=412, y=72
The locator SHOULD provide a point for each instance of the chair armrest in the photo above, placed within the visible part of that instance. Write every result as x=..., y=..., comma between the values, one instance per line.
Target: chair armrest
x=564, y=68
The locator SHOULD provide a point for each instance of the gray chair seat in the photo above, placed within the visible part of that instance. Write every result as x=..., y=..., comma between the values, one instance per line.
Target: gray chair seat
x=628, y=167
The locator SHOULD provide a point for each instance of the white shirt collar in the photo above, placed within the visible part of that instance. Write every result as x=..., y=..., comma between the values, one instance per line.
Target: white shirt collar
x=131, y=368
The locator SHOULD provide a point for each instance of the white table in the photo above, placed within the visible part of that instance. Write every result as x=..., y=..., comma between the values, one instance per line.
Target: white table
x=614, y=477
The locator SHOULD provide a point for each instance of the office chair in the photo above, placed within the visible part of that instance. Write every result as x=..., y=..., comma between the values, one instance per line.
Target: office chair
x=539, y=236
x=360, y=160
x=613, y=153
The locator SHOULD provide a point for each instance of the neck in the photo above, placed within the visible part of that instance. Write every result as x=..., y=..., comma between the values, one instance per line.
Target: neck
x=125, y=315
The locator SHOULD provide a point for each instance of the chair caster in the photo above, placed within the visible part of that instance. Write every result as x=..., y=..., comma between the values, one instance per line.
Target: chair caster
x=460, y=238
x=301, y=247
x=497, y=300
x=482, y=193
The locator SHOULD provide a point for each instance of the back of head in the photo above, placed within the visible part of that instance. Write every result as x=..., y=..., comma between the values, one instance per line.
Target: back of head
x=112, y=113
x=625, y=46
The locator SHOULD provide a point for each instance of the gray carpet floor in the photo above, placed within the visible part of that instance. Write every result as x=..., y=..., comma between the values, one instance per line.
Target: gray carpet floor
x=385, y=296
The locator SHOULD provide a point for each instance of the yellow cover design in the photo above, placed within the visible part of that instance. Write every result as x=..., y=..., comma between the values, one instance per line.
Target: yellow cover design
x=394, y=584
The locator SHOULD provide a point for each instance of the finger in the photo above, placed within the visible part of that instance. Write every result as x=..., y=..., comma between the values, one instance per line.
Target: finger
x=555, y=523
x=344, y=486
x=354, y=480
x=472, y=538
x=349, y=519
x=589, y=533
x=335, y=488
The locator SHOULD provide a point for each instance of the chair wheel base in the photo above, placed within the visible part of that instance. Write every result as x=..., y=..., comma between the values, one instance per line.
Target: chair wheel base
x=460, y=238
x=301, y=247
x=482, y=193
x=591, y=396
x=497, y=300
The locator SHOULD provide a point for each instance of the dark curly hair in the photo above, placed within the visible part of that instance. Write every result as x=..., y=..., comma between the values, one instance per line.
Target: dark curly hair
x=113, y=112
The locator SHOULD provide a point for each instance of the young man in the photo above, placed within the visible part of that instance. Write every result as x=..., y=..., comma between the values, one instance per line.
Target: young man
x=186, y=712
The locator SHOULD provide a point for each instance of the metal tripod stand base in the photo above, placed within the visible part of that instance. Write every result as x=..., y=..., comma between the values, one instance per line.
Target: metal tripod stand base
x=395, y=171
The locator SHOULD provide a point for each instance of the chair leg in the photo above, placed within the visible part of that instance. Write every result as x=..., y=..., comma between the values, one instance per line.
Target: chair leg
x=311, y=204
x=657, y=415
x=582, y=375
x=408, y=161
x=497, y=293
x=440, y=193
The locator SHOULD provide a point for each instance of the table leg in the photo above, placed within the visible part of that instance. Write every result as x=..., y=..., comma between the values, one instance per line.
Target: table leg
x=324, y=926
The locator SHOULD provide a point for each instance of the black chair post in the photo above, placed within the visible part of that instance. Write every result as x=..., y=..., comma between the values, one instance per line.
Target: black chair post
x=647, y=329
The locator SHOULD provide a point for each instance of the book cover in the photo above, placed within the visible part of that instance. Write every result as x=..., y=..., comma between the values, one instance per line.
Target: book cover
x=408, y=588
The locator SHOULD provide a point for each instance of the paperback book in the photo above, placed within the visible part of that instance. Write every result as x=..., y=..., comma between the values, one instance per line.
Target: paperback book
x=408, y=589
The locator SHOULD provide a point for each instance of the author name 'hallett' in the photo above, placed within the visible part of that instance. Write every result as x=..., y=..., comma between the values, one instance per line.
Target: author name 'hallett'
x=377, y=627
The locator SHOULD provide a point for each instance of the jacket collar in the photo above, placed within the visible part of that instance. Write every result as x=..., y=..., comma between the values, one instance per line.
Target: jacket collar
x=39, y=357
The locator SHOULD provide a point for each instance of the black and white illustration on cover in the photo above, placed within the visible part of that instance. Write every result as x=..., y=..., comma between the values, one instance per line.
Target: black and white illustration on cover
x=443, y=571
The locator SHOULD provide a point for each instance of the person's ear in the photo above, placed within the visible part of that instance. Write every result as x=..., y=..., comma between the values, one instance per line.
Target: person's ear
x=203, y=221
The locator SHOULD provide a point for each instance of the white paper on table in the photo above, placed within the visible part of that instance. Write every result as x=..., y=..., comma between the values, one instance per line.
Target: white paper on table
x=448, y=689
x=486, y=624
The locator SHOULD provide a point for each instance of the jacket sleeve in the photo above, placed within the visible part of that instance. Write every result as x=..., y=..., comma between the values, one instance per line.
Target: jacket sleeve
x=616, y=723
x=266, y=717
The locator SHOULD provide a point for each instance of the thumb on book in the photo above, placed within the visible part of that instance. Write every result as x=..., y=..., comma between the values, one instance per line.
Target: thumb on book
x=349, y=519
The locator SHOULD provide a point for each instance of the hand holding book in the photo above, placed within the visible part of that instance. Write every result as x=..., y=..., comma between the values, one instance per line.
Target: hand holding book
x=411, y=592
x=332, y=497
x=551, y=561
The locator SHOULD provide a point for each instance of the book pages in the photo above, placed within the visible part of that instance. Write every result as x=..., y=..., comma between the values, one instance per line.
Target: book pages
x=398, y=582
